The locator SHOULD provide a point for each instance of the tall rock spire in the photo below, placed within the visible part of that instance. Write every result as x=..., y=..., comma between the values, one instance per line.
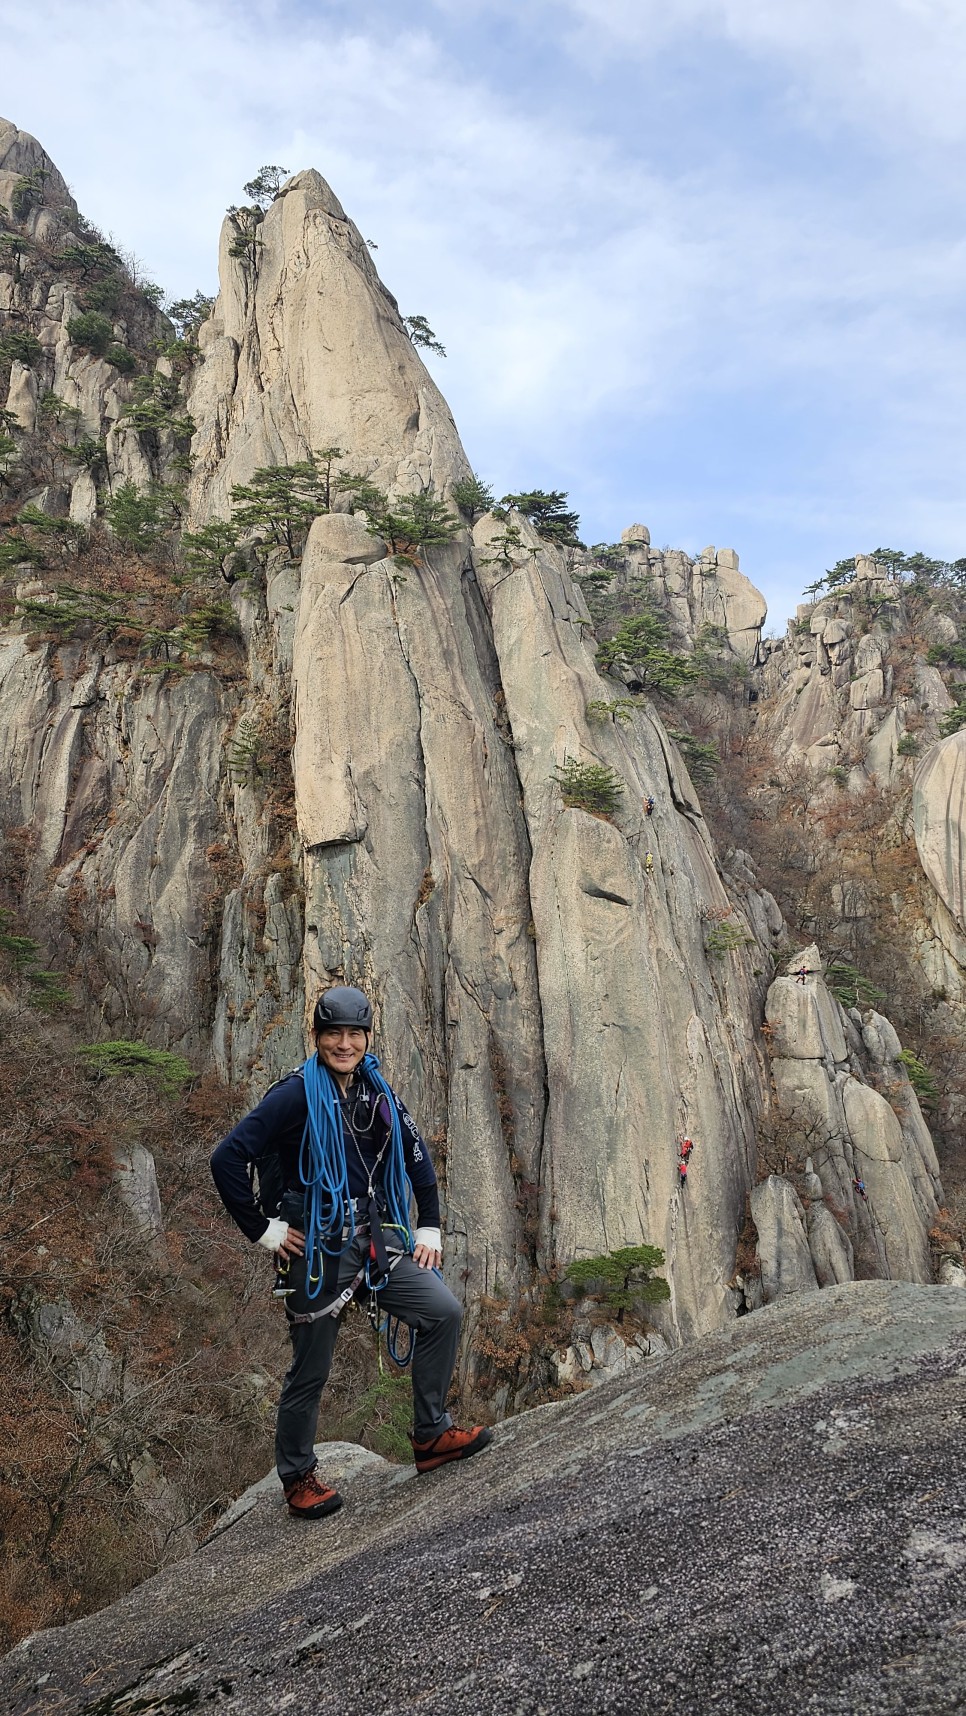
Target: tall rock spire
x=306, y=349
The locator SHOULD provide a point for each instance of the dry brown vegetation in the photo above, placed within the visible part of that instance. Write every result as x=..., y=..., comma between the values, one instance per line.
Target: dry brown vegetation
x=140, y=1378
x=844, y=869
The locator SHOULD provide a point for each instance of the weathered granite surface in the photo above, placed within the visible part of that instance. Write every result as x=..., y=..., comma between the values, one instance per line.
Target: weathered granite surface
x=770, y=1521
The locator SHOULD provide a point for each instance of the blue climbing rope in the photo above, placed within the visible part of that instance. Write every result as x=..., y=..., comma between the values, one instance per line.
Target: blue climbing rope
x=395, y=1180
x=324, y=1174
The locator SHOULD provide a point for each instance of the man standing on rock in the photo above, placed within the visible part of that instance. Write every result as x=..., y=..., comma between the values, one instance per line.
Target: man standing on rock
x=347, y=1157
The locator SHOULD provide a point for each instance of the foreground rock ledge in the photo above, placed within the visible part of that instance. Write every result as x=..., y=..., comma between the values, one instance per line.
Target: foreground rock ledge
x=772, y=1520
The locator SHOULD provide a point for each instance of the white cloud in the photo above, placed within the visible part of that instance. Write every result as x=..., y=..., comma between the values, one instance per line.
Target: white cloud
x=589, y=275
x=892, y=67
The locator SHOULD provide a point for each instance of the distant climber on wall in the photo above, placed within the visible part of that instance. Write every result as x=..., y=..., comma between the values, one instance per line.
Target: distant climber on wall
x=648, y=863
x=859, y=1186
x=649, y=806
x=801, y=975
x=338, y=1158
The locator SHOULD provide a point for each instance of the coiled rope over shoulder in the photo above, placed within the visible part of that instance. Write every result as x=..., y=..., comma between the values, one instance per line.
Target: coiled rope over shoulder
x=324, y=1174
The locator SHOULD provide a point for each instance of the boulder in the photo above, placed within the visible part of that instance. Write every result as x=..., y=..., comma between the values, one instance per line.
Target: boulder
x=558, y=1570
x=136, y=1180
x=783, y=1250
x=831, y=1250
x=341, y=537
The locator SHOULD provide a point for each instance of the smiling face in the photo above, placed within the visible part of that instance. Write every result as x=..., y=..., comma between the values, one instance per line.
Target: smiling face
x=341, y=1048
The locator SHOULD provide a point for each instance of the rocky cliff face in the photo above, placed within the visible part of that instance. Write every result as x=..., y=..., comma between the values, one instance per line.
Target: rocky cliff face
x=857, y=694
x=695, y=594
x=368, y=793
x=836, y=699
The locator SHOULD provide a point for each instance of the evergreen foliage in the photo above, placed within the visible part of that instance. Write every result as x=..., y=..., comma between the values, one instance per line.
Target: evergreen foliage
x=623, y=1277
x=715, y=664
x=639, y=647
x=547, y=512
x=19, y=344
x=850, y=987
x=609, y=557
x=265, y=186
x=20, y=954
x=589, y=786
x=28, y=193
x=90, y=257
x=91, y=330
x=421, y=334
x=955, y=718
x=472, y=496
x=726, y=937
x=701, y=756
x=407, y=524
x=279, y=502
x=619, y=709
x=246, y=242
x=122, y=1059
x=213, y=551
x=187, y=314
x=156, y=408
x=922, y=1080
x=325, y=458
x=139, y=517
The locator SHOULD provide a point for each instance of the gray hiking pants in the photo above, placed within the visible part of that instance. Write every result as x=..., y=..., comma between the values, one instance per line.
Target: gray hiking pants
x=415, y=1295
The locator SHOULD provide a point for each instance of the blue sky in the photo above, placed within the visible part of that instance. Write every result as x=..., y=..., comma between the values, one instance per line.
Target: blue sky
x=699, y=262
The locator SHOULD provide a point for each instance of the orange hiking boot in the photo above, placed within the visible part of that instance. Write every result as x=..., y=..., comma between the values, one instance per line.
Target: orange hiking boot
x=451, y=1444
x=309, y=1498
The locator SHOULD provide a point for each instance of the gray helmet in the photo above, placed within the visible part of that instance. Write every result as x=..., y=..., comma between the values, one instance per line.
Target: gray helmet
x=342, y=1007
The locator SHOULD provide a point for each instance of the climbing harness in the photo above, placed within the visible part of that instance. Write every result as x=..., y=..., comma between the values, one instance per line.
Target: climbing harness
x=330, y=1211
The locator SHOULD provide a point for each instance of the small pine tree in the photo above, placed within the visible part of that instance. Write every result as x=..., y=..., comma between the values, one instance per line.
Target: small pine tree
x=123, y=1058
x=923, y=1081
x=246, y=243
x=850, y=987
x=472, y=496
x=92, y=330
x=212, y=551
x=406, y=524
x=546, y=510
x=187, y=314
x=421, y=334
x=589, y=786
x=28, y=193
x=19, y=344
x=265, y=186
x=325, y=458
x=88, y=258
x=639, y=645
x=609, y=1277
x=703, y=759
x=138, y=518
x=280, y=502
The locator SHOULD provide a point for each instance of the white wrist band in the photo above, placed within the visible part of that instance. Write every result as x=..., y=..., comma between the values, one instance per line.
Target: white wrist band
x=430, y=1237
x=275, y=1234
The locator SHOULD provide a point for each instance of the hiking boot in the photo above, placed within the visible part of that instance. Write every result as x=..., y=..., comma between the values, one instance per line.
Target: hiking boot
x=309, y=1498
x=451, y=1444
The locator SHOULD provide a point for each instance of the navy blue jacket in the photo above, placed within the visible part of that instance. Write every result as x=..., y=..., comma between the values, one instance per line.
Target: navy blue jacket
x=277, y=1124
